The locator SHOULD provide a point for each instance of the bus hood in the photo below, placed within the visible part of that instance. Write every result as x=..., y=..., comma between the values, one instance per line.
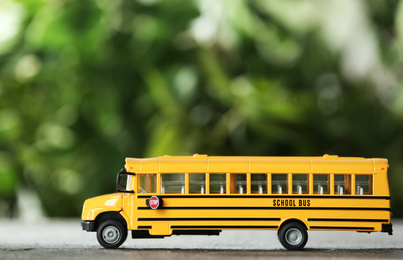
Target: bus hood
x=104, y=203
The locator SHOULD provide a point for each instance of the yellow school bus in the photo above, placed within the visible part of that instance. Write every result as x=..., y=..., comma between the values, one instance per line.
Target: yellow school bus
x=203, y=195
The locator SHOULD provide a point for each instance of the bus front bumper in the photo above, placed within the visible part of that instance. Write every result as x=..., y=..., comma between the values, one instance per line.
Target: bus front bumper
x=88, y=225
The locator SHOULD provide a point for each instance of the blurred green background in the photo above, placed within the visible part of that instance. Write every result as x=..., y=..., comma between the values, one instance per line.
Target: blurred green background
x=84, y=84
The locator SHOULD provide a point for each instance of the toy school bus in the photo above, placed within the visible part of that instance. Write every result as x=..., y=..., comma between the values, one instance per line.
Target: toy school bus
x=203, y=195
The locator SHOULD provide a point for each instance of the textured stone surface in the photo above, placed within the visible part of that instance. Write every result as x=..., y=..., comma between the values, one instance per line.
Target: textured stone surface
x=64, y=239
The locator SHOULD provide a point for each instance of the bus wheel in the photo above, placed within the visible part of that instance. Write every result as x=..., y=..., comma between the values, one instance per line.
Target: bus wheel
x=293, y=236
x=111, y=234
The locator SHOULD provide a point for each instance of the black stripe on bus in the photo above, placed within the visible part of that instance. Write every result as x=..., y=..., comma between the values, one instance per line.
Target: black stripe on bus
x=148, y=227
x=246, y=227
x=222, y=227
x=243, y=196
x=348, y=220
x=331, y=227
x=208, y=219
x=270, y=208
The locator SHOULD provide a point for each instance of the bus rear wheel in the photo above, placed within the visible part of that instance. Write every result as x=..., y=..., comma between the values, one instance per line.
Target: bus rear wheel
x=293, y=236
x=111, y=234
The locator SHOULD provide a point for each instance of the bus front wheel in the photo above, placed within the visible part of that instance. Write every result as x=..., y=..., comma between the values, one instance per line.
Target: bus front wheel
x=111, y=234
x=293, y=236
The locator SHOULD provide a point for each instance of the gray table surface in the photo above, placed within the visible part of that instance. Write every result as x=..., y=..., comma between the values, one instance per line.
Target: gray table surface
x=64, y=239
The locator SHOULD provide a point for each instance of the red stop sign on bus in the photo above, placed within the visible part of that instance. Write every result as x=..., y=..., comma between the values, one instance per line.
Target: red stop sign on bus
x=154, y=202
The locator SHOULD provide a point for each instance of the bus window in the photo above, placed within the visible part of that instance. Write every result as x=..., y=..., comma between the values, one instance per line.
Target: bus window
x=147, y=183
x=238, y=183
x=197, y=183
x=300, y=184
x=279, y=183
x=363, y=184
x=342, y=184
x=321, y=184
x=259, y=183
x=218, y=183
x=173, y=183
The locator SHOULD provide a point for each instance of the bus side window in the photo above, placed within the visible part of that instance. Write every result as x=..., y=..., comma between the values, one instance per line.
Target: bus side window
x=238, y=183
x=279, y=183
x=197, y=183
x=259, y=183
x=321, y=184
x=147, y=183
x=173, y=183
x=342, y=184
x=363, y=184
x=300, y=184
x=218, y=183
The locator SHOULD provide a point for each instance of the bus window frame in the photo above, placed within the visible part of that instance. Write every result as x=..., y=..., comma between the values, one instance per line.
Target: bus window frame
x=349, y=183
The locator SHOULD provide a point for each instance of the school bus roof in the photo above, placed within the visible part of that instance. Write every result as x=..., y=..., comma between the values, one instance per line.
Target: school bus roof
x=244, y=164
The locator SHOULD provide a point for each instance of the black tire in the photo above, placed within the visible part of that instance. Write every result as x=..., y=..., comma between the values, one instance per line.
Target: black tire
x=111, y=234
x=293, y=236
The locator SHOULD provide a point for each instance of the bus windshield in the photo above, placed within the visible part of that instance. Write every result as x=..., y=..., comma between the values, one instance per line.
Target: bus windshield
x=123, y=181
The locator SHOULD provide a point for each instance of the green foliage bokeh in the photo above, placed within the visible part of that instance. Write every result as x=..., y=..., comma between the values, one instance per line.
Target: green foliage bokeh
x=84, y=84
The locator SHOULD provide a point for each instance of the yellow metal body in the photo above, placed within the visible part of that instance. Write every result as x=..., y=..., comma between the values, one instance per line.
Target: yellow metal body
x=251, y=207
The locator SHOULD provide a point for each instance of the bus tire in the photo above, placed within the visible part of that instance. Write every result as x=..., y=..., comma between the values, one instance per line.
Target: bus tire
x=111, y=234
x=293, y=236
